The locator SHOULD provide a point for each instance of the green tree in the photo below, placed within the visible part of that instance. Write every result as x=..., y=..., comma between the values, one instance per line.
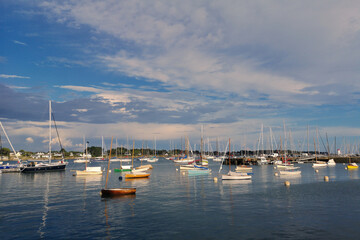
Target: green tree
x=94, y=151
x=5, y=152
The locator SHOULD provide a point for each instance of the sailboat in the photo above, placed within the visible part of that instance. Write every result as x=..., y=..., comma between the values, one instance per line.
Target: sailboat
x=234, y=175
x=288, y=169
x=33, y=167
x=88, y=170
x=83, y=159
x=112, y=192
x=123, y=168
x=153, y=158
x=9, y=167
x=136, y=173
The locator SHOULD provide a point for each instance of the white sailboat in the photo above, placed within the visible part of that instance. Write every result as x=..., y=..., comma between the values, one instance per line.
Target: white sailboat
x=234, y=175
x=88, y=170
x=288, y=169
x=84, y=156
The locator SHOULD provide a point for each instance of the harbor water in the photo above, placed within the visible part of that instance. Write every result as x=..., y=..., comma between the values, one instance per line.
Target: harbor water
x=173, y=205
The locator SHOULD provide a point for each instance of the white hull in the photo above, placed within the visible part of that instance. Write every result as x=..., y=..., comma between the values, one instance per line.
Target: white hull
x=81, y=161
x=315, y=165
x=236, y=176
x=243, y=169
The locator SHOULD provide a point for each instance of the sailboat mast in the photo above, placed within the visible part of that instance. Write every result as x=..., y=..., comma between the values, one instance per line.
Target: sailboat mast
x=85, y=154
x=49, y=131
x=107, y=173
x=229, y=156
x=132, y=156
x=102, y=146
x=9, y=143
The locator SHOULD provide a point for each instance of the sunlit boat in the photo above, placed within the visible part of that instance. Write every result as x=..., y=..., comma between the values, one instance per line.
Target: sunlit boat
x=89, y=171
x=236, y=176
x=117, y=192
x=351, y=166
x=137, y=175
x=319, y=164
x=331, y=162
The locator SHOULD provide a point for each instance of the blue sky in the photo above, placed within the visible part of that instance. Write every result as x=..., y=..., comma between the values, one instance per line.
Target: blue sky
x=161, y=69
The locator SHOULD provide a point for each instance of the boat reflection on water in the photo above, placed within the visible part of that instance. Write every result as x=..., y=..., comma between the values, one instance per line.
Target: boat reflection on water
x=41, y=230
x=116, y=199
x=137, y=182
x=90, y=180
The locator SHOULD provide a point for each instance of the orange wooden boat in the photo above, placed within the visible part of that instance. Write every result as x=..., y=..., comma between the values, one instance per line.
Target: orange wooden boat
x=117, y=192
x=137, y=175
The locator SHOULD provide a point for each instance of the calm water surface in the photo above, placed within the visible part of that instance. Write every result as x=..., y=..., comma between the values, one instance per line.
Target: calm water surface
x=173, y=205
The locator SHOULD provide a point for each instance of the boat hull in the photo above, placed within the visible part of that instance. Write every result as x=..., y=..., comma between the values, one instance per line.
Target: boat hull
x=236, y=176
x=84, y=172
x=137, y=175
x=350, y=167
x=43, y=168
x=117, y=192
x=122, y=170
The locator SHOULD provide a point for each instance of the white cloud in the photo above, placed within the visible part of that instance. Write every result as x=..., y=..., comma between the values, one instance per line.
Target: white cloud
x=275, y=48
x=20, y=43
x=11, y=76
x=29, y=140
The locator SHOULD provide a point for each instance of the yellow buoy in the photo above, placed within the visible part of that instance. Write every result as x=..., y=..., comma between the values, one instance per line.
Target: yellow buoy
x=276, y=174
x=215, y=179
x=326, y=178
x=287, y=183
x=183, y=173
x=274, y=167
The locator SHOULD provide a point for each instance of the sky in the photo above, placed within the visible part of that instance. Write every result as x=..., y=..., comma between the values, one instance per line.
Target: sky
x=156, y=71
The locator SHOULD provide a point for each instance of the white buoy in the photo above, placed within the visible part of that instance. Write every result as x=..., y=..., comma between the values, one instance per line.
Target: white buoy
x=177, y=169
x=316, y=170
x=215, y=179
x=274, y=167
x=287, y=183
x=276, y=174
x=326, y=178
x=183, y=173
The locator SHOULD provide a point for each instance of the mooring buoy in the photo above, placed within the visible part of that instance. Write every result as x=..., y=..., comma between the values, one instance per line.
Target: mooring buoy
x=287, y=183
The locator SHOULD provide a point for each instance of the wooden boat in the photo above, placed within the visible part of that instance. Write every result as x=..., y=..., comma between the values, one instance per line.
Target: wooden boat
x=137, y=175
x=117, y=192
x=114, y=192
